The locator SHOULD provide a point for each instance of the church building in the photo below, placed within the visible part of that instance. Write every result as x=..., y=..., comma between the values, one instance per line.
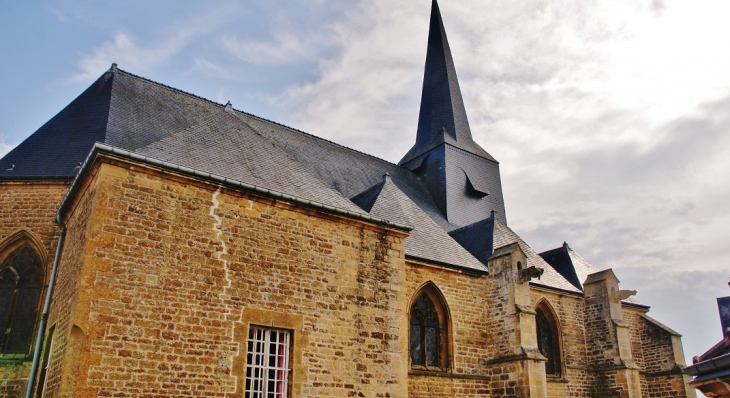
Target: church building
x=154, y=243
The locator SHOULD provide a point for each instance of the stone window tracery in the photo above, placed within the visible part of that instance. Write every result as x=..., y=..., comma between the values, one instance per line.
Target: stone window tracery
x=21, y=282
x=428, y=340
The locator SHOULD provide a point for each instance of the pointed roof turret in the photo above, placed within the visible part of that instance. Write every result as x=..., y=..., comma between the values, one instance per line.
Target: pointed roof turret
x=442, y=118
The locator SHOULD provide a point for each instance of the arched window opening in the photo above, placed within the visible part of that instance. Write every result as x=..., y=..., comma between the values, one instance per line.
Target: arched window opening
x=21, y=282
x=548, y=339
x=429, y=331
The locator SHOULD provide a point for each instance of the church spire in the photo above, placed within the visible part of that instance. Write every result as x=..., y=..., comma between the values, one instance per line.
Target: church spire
x=462, y=178
x=442, y=118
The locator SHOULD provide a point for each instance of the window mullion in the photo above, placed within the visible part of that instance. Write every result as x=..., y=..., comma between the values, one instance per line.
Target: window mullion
x=267, y=354
x=11, y=317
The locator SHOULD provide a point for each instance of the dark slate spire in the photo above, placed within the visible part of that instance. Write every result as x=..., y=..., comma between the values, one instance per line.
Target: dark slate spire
x=442, y=118
x=463, y=178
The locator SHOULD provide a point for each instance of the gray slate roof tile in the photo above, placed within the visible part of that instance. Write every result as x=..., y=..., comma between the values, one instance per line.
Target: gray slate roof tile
x=427, y=240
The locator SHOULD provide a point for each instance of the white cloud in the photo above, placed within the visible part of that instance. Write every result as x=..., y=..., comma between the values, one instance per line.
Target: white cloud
x=284, y=48
x=367, y=90
x=125, y=51
x=210, y=68
x=141, y=55
x=60, y=15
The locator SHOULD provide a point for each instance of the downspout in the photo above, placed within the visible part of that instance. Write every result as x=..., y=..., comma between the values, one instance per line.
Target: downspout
x=46, y=309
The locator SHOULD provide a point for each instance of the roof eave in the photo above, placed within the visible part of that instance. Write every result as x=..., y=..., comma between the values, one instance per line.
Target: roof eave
x=462, y=268
x=542, y=286
x=704, y=368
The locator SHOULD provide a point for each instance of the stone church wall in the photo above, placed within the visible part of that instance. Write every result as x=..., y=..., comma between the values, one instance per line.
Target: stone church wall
x=67, y=338
x=162, y=276
x=465, y=297
x=659, y=354
x=175, y=270
x=569, y=311
x=27, y=208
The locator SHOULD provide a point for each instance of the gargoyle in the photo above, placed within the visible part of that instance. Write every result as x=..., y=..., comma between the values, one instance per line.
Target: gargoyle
x=619, y=295
x=529, y=273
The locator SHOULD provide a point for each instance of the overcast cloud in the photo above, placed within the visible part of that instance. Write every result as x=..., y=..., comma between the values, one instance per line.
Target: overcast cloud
x=609, y=118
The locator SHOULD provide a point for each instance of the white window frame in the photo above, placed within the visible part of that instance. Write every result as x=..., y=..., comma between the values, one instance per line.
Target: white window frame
x=267, y=362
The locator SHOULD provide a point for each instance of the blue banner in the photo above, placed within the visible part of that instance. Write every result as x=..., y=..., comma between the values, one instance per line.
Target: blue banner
x=723, y=304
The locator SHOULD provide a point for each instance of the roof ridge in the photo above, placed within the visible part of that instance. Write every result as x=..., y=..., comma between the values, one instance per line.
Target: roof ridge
x=254, y=116
x=551, y=250
x=167, y=86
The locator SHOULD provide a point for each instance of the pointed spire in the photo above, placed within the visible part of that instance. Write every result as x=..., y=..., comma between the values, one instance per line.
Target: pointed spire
x=442, y=118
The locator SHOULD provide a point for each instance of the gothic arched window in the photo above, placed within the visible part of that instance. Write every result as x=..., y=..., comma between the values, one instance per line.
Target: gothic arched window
x=548, y=338
x=429, y=331
x=21, y=282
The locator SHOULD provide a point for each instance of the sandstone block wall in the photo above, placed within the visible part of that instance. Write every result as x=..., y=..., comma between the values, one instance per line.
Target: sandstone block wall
x=511, y=331
x=30, y=207
x=569, y=311
x=465, y=297
x=173, y=271
x=161, y=277
x=67, y=339
x=658, y=353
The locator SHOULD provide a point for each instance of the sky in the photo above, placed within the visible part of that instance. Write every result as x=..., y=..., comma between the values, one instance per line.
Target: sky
x=609, y=117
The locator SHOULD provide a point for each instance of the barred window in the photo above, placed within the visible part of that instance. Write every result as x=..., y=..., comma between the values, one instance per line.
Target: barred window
x=21, y=281
x=267, y=363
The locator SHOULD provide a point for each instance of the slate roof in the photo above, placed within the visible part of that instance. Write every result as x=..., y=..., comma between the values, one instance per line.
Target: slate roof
x=427, y=241
x=58, y=146
x=477, y=238
x=224, y=144
x=569, y=264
